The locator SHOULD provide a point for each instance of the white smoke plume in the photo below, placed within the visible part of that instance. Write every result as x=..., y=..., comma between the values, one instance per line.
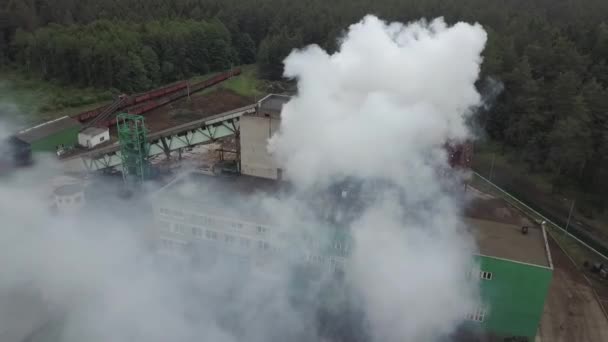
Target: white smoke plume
x=379, y=109
x=382, y=107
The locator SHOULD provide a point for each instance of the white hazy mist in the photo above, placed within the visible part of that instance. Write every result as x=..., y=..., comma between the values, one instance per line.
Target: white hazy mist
x=382, y=107
x=379, y=109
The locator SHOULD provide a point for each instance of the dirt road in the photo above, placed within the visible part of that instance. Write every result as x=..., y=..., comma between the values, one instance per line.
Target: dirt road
x=572, y=313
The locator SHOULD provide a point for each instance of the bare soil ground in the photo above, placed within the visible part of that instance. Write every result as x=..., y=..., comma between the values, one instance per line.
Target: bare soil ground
x=572, y=312
x=495, y=209
x=197, y=107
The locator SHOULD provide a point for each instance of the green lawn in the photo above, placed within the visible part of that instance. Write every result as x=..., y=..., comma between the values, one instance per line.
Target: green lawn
x=37, y=101
x=32, y=100
x=246, y=84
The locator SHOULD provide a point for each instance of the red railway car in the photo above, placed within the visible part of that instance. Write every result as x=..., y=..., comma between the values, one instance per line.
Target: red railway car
x=90, y=113
x=138, y=103
x=160, y=92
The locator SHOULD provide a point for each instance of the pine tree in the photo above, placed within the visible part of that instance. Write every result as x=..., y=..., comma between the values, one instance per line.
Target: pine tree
x=151, y=64
x=246, y=48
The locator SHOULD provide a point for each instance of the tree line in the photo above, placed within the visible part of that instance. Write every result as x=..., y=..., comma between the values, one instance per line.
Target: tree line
x=127, y=56
x=550, y=55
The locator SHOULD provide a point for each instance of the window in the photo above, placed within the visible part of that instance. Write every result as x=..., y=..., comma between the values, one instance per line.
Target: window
x=478, y=315
x=261, y=229
x=210, y=234
x=179, y=228
x=263, y=245
x=211, y=222
x=197, y=232
x=236, y=225
x=102, y=139
x=229, y=238
x=173, y=245
x=485, y=275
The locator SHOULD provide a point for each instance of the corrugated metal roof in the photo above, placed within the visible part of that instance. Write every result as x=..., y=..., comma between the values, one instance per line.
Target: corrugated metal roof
x=273, y=103
x=43, y=130
x=94, y=131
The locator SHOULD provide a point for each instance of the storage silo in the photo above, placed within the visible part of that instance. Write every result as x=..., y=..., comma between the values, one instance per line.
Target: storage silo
x=69, y=198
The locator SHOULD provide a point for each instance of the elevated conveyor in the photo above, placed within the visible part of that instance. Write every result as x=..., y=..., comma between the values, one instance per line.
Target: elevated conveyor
x=197, y=132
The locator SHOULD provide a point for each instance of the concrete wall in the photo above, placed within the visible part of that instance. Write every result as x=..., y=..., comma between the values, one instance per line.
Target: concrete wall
x=255, y=159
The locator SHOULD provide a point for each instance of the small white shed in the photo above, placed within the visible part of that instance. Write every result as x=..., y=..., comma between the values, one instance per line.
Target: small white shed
x=93, y=136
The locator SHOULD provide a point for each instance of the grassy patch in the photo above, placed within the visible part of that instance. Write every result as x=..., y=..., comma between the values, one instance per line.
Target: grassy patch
x=33, y=101
x=37, y=101
x=246, y=84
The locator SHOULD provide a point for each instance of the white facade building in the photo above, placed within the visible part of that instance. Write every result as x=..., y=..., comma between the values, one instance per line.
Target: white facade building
x=93, y=136
x=187, y=223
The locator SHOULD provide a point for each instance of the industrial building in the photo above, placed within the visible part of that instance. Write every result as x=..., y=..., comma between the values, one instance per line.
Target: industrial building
x=93, y=136
x=216, y=215
x=255, y=130
x=69, y=198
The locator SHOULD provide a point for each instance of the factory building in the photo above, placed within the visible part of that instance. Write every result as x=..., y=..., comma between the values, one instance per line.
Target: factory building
x=14, y=152
x=93, y=136
x=515, y=268
x=255, y=130
x=216, y=216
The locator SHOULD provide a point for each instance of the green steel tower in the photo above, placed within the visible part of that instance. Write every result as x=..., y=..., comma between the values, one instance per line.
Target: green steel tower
x=132, y=134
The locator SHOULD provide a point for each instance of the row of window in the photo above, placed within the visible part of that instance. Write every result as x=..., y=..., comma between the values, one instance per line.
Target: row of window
x=183, y=229
x=173, y=246
x=233, y=240
x=319, y=259
x=485, y=275
x=478, y=315
x=342, y=248
x=211, y=221
x=229, y=239
x=69, y=200
x=236, y=225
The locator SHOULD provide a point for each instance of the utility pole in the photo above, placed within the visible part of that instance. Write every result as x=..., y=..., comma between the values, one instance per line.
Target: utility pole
x=492, y=167
x=570, y=214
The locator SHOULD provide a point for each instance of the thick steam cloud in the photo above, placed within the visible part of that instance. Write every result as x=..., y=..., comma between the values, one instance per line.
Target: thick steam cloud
x=381, y=108
x=378, y=111
x=389, y=96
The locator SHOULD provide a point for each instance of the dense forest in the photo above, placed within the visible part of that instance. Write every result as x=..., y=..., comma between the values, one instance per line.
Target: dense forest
x=550, y=55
